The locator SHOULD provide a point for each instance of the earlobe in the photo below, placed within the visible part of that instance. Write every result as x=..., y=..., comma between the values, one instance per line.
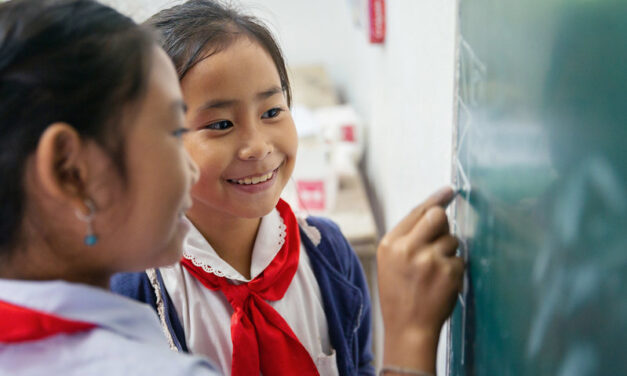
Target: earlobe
x=61, y=167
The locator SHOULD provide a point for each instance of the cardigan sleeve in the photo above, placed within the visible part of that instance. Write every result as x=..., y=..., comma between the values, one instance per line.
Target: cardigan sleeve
x=341, y=256
x=139, y=287
x=364, y=329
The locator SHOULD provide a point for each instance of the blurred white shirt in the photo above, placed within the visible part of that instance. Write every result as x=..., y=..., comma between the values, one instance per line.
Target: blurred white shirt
x=126, y=341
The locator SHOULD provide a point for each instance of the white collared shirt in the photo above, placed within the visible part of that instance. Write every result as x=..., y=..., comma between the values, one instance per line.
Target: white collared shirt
x=127, y=339
x=206, y=315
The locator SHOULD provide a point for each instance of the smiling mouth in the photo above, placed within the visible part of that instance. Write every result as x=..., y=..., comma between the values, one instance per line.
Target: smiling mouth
x=251, y=180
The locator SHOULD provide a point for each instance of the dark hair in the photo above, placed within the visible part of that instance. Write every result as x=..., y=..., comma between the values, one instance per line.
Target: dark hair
x=73, y=61
x=197, y=29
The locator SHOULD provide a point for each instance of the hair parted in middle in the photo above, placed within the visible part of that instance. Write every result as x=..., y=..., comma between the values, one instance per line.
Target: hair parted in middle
x=197, y=29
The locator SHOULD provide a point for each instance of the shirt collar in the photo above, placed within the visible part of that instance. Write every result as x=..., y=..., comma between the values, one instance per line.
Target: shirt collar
x=85, y=303
x=270, y=239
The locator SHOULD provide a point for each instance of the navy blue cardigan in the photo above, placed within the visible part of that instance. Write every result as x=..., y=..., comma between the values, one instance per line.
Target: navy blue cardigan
x=342, y=284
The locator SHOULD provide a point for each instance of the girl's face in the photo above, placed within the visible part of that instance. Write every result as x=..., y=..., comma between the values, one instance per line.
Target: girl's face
x=138, y=215
x=149, y=226
x=242, y=134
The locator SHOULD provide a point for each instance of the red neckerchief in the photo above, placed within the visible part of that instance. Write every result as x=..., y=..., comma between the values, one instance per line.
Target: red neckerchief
x=21, y=324
x=262, y=340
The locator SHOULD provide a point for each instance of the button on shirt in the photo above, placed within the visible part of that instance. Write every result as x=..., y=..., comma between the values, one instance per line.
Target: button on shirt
x=206, y=315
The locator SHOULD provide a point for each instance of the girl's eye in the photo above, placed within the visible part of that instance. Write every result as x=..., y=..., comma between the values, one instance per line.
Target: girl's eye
x=180, y=132
x=272, y=113
x=220, y=125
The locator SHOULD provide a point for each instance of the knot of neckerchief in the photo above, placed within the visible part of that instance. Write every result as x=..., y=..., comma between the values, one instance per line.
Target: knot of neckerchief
x=262, y=341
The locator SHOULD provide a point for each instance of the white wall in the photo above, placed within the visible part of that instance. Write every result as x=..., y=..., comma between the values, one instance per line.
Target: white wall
x=411, y=103
x=403, y=89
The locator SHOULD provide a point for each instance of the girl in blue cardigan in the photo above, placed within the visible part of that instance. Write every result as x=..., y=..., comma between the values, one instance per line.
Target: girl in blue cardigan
x=257, y=289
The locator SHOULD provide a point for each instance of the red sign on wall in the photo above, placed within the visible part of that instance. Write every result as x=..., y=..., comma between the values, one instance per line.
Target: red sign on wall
x=347, y=133
x=376, y=10
x=311, y=194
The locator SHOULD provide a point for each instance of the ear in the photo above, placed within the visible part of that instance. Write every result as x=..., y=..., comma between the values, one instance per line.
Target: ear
x=62, y=165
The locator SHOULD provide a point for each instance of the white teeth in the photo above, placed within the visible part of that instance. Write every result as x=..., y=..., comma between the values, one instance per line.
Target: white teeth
x=255, y=180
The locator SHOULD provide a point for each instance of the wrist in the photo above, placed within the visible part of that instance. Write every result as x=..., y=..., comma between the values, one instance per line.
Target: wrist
x=411, y=349
x=393, y=370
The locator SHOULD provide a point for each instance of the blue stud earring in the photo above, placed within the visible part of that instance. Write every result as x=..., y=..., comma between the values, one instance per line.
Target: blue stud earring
x=91, y=238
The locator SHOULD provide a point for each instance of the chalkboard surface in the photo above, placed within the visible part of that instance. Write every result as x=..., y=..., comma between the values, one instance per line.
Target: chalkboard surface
x=541, y=158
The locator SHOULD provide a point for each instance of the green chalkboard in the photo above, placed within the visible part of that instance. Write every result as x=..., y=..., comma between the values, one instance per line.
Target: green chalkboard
x=541, y=157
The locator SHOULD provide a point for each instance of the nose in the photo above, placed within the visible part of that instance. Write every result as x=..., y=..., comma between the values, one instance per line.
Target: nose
x=255, y=144
x=194, y=172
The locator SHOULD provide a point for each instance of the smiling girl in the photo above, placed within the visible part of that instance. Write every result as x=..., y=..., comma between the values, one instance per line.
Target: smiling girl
x=257, y=290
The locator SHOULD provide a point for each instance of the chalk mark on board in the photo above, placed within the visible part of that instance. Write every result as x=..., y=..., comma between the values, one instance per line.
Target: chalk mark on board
x=475, y=72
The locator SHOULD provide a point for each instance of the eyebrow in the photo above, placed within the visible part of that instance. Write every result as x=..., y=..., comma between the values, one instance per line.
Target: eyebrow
x=223, y=103
x=270, y=92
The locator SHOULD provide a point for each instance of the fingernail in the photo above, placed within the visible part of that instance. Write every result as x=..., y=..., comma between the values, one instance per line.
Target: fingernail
x=444, y=194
